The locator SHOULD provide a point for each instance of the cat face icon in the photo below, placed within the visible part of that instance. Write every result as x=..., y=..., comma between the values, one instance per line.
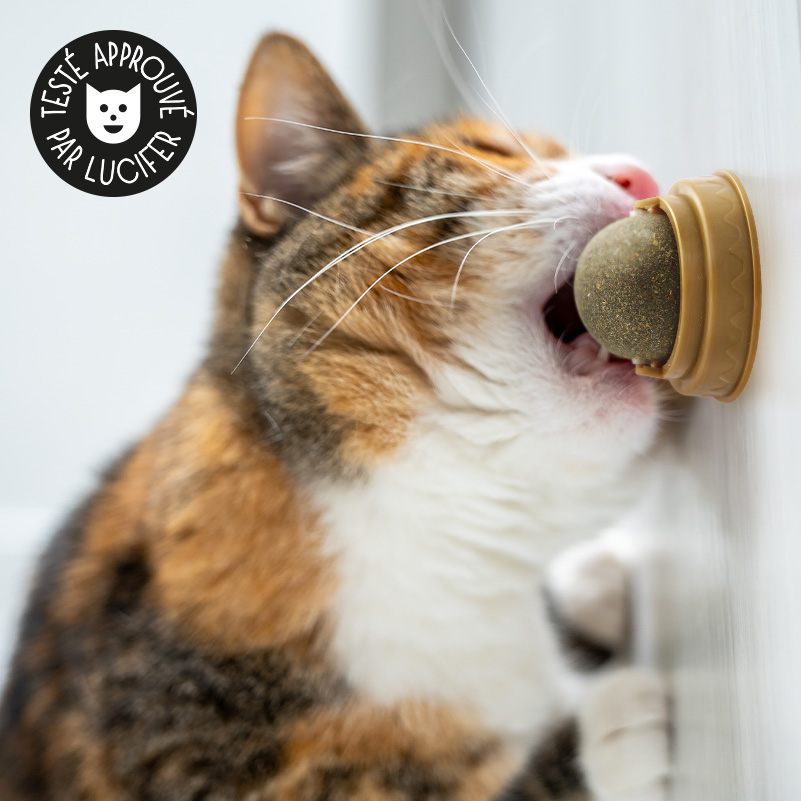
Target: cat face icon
x=112, y=116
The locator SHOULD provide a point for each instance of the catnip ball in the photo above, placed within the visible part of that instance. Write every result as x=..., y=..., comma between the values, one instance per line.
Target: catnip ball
x=627, y=287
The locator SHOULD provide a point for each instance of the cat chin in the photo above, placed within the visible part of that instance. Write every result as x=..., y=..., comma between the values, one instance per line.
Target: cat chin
x=607, y=385
x=573, y=432
x=572, y=402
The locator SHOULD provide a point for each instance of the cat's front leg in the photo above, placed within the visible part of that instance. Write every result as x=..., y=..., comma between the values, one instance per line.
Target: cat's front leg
x=623, y=721
x=623, y=728
x=590, y=592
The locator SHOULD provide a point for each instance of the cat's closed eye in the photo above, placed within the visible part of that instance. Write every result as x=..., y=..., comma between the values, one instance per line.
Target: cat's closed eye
x=493, y=142
x=497, y=148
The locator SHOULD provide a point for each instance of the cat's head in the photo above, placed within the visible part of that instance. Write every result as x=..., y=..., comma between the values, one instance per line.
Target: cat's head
x=113, y=116
x=434, y=297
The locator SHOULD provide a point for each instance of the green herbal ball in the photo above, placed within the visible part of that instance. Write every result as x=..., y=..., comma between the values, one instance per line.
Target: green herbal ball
x=627, y=287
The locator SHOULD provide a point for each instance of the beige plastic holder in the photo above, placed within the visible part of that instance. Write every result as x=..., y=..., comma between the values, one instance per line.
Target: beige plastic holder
x=720, y=286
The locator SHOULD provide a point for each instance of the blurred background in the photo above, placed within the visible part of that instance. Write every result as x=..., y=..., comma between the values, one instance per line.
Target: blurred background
x=105, y=303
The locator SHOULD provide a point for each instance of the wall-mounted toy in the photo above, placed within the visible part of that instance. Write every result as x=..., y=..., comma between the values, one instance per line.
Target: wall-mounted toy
x=676, y=287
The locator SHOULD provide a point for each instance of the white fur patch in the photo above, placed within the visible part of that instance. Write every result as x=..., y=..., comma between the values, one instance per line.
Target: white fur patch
x=440, y=554
x=624, y=730
x=590, y=587
x=440, y=550
x=439, y=596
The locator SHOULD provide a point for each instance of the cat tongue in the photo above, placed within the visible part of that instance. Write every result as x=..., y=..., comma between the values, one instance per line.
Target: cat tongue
x=586, y=356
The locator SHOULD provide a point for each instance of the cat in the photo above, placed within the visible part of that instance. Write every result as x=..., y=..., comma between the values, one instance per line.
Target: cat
x=113, y=116
x=320, y=575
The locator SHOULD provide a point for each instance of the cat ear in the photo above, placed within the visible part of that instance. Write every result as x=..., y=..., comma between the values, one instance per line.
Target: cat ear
x=133, y=94
x=284, y=81
x=91, y=92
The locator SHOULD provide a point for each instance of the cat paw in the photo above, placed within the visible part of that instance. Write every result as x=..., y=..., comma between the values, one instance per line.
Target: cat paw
x=590, y=590
x=624, y=737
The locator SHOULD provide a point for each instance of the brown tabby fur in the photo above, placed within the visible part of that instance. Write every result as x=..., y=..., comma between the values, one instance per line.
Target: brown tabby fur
x=175, y=646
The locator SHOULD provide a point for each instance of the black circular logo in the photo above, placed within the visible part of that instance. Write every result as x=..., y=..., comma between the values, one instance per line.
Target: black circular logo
x=113, y=113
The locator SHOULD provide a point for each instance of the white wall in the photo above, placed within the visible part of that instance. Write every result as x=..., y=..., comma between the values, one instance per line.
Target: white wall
x=692, y=87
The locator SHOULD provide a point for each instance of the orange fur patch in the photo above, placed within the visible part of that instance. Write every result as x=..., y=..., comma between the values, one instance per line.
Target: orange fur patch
x=233, y=550
x=73, y=746
x=412, y=737
x=238, y=558
x=379, y=393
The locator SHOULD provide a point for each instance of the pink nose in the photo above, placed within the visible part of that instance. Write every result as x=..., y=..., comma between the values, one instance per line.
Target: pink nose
x=639, y=183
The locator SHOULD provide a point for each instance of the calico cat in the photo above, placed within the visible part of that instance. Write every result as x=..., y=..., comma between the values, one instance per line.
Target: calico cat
x=319, y=576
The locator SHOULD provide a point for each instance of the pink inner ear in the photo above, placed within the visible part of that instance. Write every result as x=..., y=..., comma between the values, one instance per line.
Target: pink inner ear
x=280, y=160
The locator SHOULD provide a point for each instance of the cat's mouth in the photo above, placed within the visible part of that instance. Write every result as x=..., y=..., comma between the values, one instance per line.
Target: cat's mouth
x=113, y=128
x=580, y=352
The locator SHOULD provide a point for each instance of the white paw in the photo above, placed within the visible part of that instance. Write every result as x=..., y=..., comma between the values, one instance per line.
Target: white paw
x=590, y=588
x=624, y=737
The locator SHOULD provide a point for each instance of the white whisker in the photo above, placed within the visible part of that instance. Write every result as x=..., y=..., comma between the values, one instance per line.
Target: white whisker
x=364, y=243
x=495, y=107
x=309, y=211
x=383, y=138
x=304, y=329
x=561, y=262
x=476, y=244
x=279, y=434
x=387, y=272
x=414, y=300
x=563, y=217
x=573, y=140
x=588, y=134
x=432, y=20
